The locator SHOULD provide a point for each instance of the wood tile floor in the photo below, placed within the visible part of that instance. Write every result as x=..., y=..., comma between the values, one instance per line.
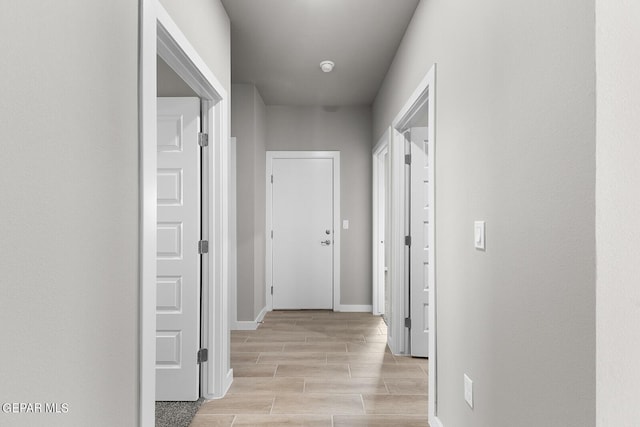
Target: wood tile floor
x=319, y=368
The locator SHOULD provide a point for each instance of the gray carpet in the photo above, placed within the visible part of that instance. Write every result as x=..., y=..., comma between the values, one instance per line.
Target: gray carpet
x=176, y=414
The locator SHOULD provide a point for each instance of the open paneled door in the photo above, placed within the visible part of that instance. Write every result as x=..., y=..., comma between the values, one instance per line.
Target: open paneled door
x=178, y=267
x=420, y=230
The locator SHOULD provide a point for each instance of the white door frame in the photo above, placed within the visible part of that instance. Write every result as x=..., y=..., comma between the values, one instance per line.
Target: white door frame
x=159, y=35
x=425, y=91
x=379, y=213
x=233, y=236
x=335, y=156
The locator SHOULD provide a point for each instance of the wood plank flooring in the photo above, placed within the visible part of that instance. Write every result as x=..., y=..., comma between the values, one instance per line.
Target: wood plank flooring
x=319, y=369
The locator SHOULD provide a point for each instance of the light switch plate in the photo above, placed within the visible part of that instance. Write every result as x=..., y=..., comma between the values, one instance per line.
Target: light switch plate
x=345, y=224
x=478, y=234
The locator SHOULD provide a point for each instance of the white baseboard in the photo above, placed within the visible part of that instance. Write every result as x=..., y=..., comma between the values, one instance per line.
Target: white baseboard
x=227, y=382
x=226, y=385
x=249, y=325
x=244, y=325
x=355, y=308
x=435, y=422
x=261, y=315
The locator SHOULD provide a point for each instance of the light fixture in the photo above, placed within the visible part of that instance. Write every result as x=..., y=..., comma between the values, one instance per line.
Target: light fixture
x=327, y=66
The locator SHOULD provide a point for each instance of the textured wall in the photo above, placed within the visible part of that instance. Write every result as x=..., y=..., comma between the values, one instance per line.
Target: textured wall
x=69, y=210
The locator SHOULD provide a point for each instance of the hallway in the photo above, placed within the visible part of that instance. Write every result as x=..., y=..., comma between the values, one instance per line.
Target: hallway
x=319, y=368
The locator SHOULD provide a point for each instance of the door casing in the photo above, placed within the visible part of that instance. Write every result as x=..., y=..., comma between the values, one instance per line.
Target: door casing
x=335, y=156
x=380, y=169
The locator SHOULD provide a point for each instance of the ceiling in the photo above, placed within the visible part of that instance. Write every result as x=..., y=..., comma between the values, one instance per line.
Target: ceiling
x=278, y=45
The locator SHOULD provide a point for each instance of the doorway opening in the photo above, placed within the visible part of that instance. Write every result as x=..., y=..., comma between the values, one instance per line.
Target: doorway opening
x=161, y=37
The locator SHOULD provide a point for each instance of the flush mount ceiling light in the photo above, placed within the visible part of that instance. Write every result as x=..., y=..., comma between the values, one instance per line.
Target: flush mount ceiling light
x=327, y=66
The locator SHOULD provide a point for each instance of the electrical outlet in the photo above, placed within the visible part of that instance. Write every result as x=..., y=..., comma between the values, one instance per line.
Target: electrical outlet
x=468, y=390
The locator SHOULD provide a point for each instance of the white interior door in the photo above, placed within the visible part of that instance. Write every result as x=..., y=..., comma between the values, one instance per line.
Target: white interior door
x=303, y=233
x=178, y=281
x=420, y=230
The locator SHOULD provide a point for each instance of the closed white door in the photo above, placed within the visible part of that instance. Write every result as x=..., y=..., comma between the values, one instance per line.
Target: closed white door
x=178, y=281
x=302, y=224
x=420, y=231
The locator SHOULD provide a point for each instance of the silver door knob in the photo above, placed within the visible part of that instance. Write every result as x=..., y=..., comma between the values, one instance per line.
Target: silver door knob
x=325, y=242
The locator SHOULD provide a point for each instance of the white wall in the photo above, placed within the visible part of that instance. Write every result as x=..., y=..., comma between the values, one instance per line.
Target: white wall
x=248, y=126
x=515, y=146
x=348, y=130
x=617, y=214
x=69, y=215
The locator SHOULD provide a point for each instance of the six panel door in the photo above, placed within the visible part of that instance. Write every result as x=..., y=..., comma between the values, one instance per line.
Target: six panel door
x=178, y=233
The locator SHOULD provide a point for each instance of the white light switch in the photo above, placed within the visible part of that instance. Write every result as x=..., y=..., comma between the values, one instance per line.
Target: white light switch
x=478, y=234
x=345, y=224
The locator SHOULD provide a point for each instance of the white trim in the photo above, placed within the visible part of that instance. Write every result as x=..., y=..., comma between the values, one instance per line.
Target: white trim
x=182, y=57
x=249, y=325
x=435, y=422
x=335, y=156
x=352, y=308
x=424, y=91
x=233, y=236
x=431, y=85
x=378, y=295
x=228, y=380
x=244, y=325
x=160, y=35
x=147, y=216
x=261, y=315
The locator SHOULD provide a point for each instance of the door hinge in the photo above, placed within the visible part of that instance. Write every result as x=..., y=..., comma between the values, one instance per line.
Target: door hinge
x=272, y=179
x=203, y=139
x=203, y=355
x=407, y=159
x=271, y=290
x=272, y=234
x=203, y=247
x=407, y=322
x=407, y=240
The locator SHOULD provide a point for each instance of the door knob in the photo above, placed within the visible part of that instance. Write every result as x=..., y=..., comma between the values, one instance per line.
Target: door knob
x=325, y=242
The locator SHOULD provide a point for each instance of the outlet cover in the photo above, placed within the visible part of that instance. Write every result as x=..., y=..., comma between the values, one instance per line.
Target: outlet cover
x=468, y=390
